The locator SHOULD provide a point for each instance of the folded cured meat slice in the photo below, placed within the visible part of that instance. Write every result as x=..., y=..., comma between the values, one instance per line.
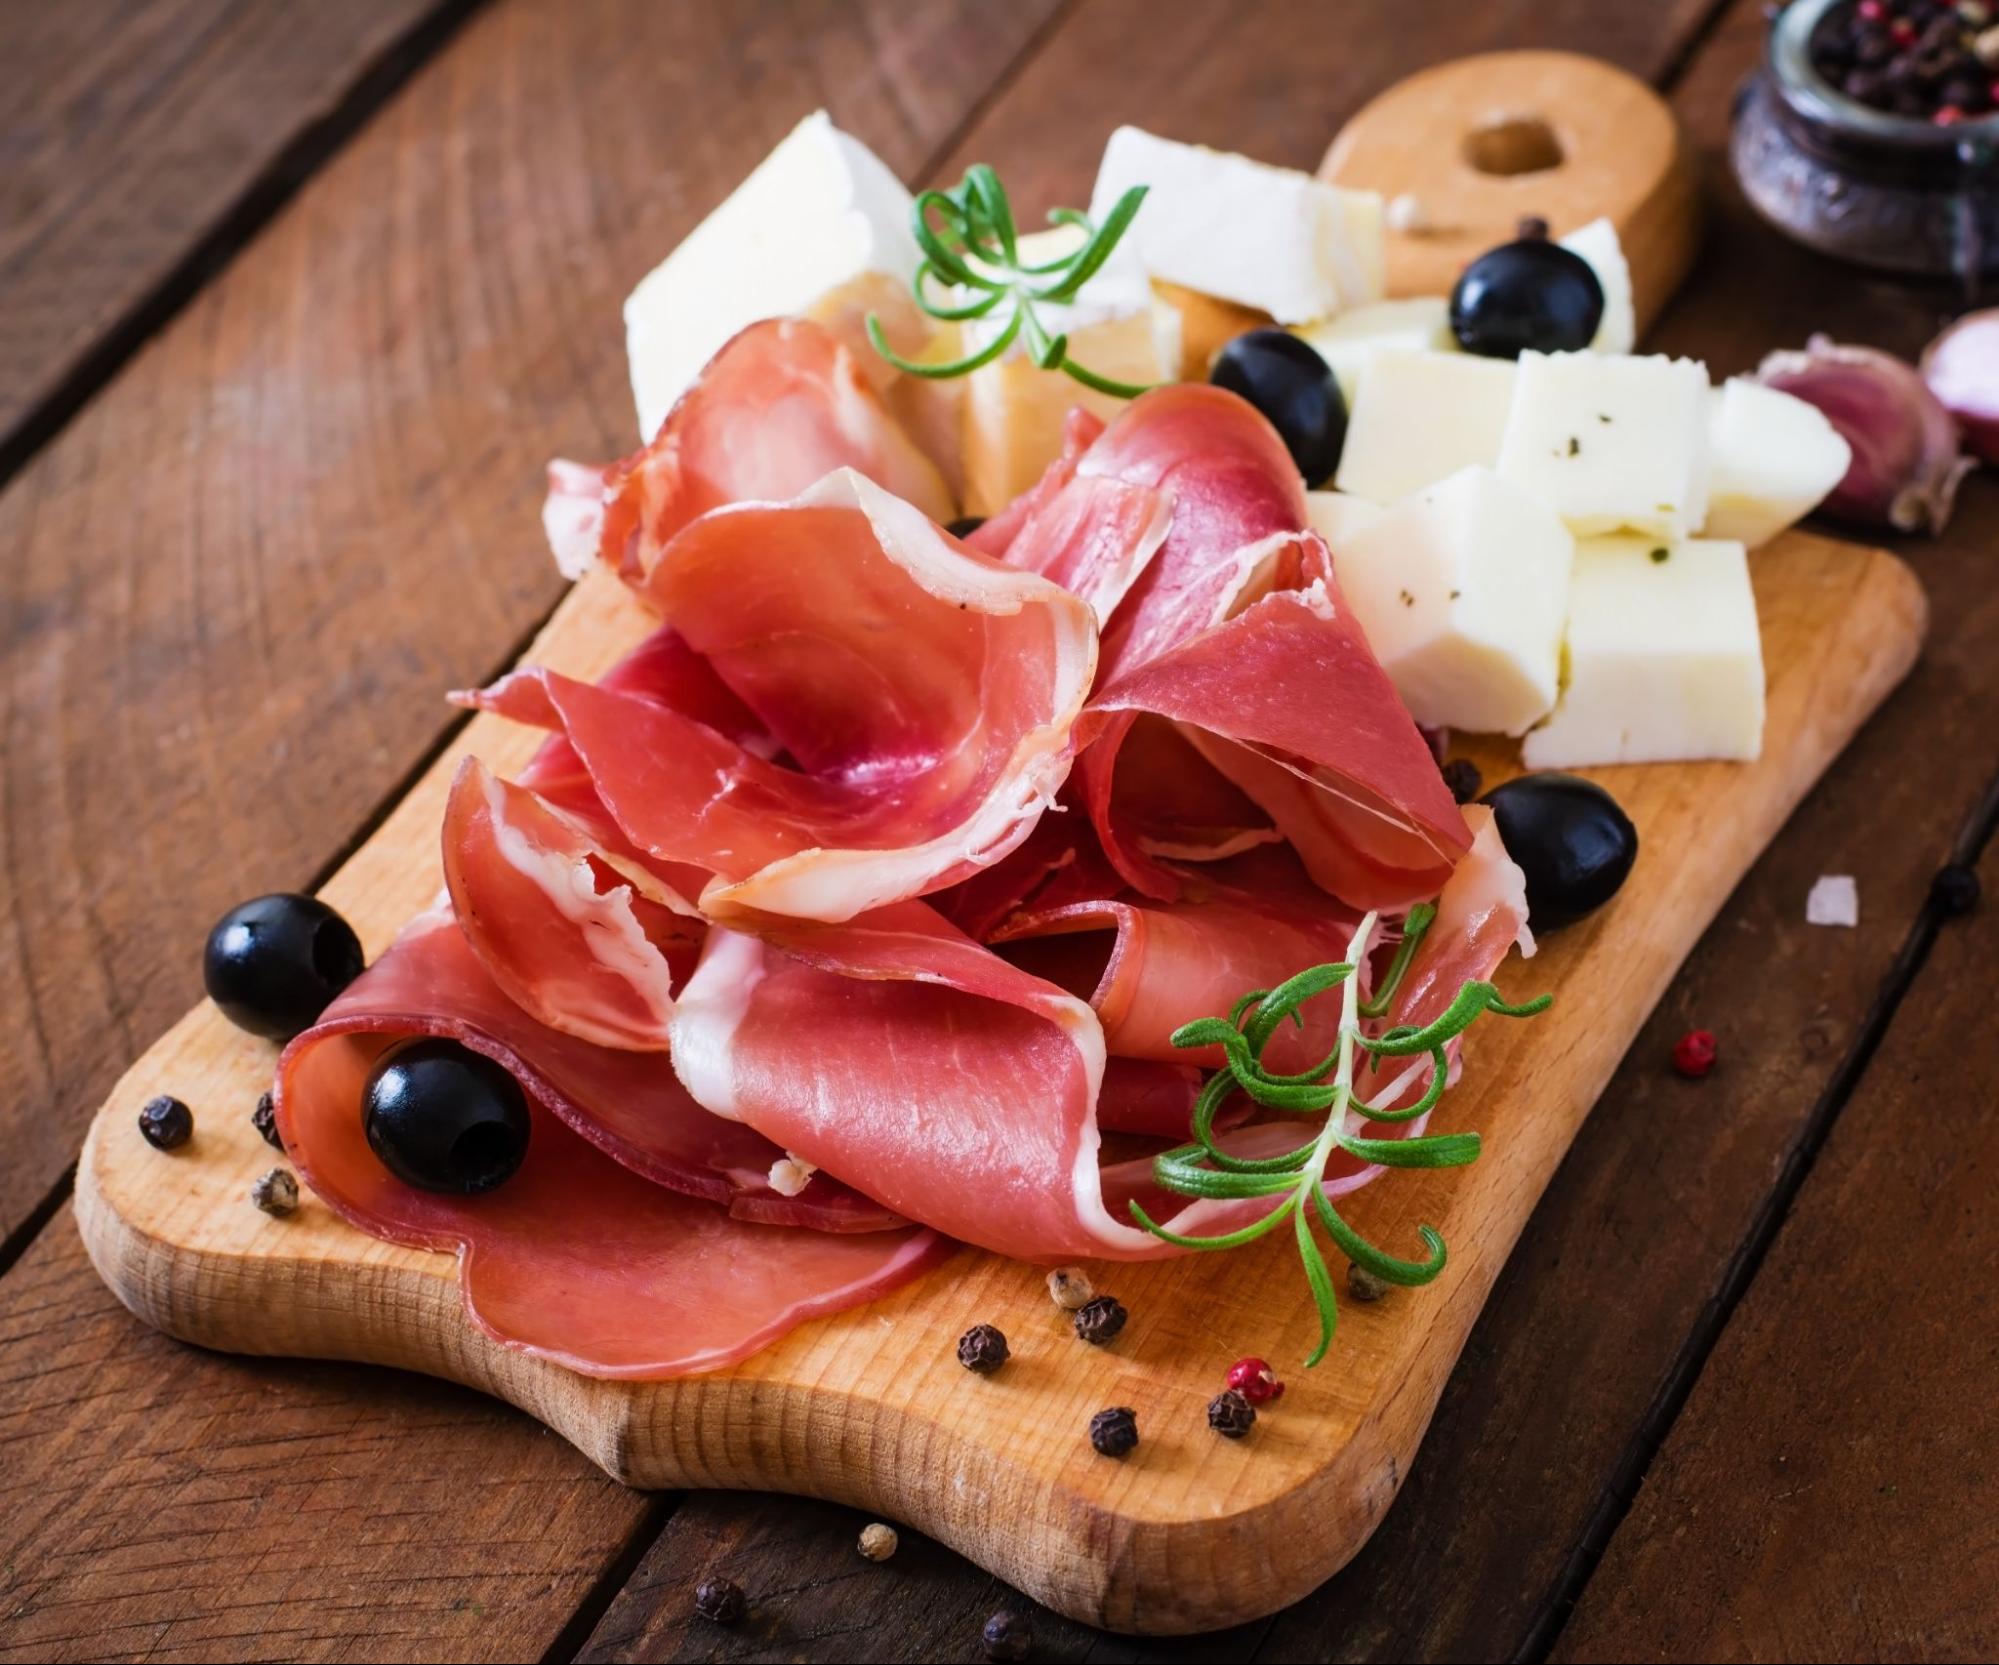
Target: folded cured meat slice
x=963, y=1091
x=628, y=1105
x=922, y=697
x=780, y=406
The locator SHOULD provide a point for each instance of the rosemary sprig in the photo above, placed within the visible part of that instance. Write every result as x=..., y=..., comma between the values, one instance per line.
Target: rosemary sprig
x=968, y=239
x=1203, y=1169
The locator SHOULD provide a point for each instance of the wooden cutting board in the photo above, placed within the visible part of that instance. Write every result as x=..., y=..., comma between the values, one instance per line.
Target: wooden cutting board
x=871, y=1408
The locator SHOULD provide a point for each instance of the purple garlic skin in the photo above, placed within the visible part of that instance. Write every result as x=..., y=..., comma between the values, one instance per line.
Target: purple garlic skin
x=1906, y=459
x=1961, y=367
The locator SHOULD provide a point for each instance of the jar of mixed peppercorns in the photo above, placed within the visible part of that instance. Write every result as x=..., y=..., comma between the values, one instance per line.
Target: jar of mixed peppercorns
x=1871, y=132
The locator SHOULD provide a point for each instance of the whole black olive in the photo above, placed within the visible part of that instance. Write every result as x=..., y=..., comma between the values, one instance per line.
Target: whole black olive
x=1294, y=387
x=1529, y=295
x=445, y=1118
x=1571, y=840
x=275, y=963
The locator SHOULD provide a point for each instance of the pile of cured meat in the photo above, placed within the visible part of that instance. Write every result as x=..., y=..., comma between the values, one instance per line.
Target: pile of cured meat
x=836, y=926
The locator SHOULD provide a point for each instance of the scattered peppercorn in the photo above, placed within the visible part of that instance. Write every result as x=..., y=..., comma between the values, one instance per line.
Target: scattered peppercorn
x=1364, y=1285
x=982, y=1349
x=276, y=1193
x=1955, y=890
x=720, y=1601
x=1231, y=1415
x=1919, y=58
x=1694, y=1053
x=166, y=1123
x=1007, y=1636
x=265, y=1120
x=878, y=1540
x=1255, y=1381
x=1098, y=1321
x=1462, y=776
x=1069, y=1288
x=1114, y=1432
x=1661, y=555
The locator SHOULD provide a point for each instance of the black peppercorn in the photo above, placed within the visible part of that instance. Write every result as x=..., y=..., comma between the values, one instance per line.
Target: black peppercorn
x=1462, y=777
x=1099, y=1321
x=982, y=1349
x=1231, y=1415
x=720, y=1601
x=166, y=1123
x=1114, y=1432
x=265, y=1120
x=1363, y=1285
x=1955, y=890
x=276, y=1193
x=1006, y=1636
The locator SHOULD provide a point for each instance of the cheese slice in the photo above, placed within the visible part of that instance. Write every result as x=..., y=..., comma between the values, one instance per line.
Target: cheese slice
x=1775, y=458
x=1598, y=244
x=1419, y=417
x=820, y=213
x=1337, y=516
x=1612, y=442
x=1419, y=324
x=1014, y=412
x=1461, y=591
x=1663, y=660
x=1270, y=238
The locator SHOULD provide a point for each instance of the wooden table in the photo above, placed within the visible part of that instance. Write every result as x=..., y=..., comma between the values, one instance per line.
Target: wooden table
x=294, y=302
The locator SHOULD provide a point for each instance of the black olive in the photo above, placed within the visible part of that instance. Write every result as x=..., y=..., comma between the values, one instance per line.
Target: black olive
x=1571, y=840
x=275, y=963
x=1529, y=295
x=1294, y=387
x=445, y=1118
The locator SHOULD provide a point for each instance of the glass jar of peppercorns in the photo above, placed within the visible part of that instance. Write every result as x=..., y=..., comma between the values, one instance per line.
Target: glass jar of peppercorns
x=1871, y=133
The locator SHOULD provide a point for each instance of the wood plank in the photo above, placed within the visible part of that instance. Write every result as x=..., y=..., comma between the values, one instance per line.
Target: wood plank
x=239, y=583
x=1828, y=1492
x=871, y=1406
x=1636, y=1231
x=132, y=134
x=235, y=587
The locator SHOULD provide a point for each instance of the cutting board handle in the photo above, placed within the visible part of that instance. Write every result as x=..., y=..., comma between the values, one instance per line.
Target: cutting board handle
x=1479, y=143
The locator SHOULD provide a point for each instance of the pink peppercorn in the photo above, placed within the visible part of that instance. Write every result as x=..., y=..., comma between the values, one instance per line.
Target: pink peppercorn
x=1255, y=1381
x=1694, y=1053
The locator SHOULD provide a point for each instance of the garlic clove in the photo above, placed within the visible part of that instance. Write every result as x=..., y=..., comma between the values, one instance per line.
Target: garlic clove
x=1961, y=368
x=1906, y=463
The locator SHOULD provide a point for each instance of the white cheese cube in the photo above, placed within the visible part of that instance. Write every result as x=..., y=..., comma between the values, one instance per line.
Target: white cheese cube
x=1014, y=411
x=1271, y=238
x=1612, y=442
x=1336, y=516
x=1775, y=458
x=1418, y=417
x=1597, y=243
x=821, y=211
x=1461, y=591
x=1346, y=342
x=1663, y=661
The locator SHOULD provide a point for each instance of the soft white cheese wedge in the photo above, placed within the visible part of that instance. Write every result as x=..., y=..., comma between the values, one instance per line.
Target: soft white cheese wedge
x=1420, y=416
x=1663, y=660
x=1612, y=442
x=1271, y=238
x=1461, y=591
x=1419, y=324
x=819, y=213
x=1775, y=459
x=1336, y=516
x=1597, y=243
x=1014, y=411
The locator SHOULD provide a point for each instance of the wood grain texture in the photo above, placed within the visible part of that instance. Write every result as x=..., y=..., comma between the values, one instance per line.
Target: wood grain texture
x=129, y=132
x=871, y=1407
x=238, y=584
x=1465, y=141
x=1828, y=1492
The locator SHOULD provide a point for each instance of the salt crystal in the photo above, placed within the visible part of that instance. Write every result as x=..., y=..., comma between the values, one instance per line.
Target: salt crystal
x=1835, y=900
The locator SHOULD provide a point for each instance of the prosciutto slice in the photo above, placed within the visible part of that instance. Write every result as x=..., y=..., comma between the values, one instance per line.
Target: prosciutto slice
x=922, y=697
x=780, y=406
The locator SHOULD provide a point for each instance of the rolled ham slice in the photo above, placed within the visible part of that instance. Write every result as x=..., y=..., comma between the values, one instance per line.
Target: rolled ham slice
x=782, y=405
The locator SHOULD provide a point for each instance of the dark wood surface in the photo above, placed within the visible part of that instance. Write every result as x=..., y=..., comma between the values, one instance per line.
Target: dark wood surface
x=237, y=577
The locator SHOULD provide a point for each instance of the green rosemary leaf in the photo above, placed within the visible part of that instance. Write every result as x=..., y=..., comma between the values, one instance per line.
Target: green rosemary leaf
x=985, y=194
x=1421, y=917
x=1230, y=1240
x=1188, y=1180
x=1321, y=1281
x=937, y=372
x=1102, y=384
x=1440, y=1075
x=1383, y=1265
x=1208, y=1031
x=1284, y=1000
x=1294, y=1100
x=1089, y=260
x=1433, y=1150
